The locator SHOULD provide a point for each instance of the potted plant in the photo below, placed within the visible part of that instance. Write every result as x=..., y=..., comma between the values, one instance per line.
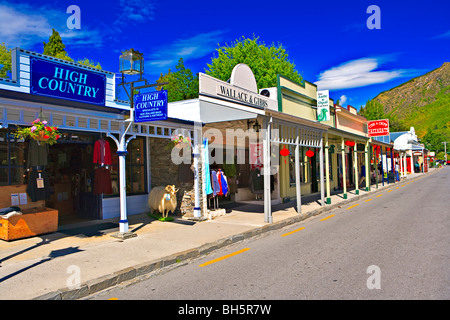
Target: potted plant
x=40, y=131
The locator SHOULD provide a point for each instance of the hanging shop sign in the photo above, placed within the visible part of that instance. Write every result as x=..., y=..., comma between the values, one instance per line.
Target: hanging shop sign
x=378, y=128
x=58, y=80
x=151, y=106
x=256, y=155
x=323, y=105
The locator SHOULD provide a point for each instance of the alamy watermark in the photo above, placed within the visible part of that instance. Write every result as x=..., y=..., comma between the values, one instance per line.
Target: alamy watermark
x=229, y=146
x=374, y=280
x=374, y=21
x=74, y=20
x=74, y=280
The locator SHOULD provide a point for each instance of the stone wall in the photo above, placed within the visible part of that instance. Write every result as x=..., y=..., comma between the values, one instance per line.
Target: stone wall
x=163, y=171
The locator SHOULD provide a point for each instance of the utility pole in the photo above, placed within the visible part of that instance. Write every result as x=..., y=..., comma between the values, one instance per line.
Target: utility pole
x=445, y=151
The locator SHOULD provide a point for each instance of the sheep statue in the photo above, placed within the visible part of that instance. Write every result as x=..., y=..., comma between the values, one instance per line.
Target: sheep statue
x=163, y=199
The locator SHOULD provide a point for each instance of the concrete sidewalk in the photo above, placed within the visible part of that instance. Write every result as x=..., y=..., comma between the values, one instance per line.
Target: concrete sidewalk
x=50, y=266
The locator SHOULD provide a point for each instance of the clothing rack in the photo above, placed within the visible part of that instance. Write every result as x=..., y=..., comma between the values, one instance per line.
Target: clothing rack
x=215, y=196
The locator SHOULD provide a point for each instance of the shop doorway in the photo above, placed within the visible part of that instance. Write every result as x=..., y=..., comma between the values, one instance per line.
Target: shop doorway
x=71, y=175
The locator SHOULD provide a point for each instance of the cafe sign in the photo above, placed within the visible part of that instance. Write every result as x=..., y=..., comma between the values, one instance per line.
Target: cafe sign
x=58, y=80
x=378, y=128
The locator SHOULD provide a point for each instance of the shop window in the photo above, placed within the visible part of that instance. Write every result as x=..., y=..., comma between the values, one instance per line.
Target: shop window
x=305, y=166
x=12, y=151
x=136, y=170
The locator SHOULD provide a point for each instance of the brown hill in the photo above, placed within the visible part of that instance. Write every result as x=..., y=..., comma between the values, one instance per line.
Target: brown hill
x=411, y=96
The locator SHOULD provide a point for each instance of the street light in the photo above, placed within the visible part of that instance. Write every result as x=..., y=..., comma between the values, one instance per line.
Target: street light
x=131, y=63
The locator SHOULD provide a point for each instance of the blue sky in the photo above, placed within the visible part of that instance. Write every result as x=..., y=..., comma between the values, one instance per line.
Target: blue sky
x=328, y=41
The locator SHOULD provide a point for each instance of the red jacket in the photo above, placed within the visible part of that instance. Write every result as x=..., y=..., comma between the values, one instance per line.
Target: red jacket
x=102, y=152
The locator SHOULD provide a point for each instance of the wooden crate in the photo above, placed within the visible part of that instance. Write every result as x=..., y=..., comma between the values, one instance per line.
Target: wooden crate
x=29, y=224
x=35, y=220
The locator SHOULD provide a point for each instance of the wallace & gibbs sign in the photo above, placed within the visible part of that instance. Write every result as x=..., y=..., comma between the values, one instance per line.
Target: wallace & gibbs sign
x=378, y=128
x=62, y=81
x=150, y=106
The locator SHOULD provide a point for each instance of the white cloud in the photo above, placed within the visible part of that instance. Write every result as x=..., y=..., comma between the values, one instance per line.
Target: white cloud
x=359, y=73
x=343, y=99
x=189, y=48
x=444, y=35
x=23, y=25
x=135, y=11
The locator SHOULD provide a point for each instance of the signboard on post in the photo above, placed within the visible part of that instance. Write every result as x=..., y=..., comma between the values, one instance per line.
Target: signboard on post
x=378, y=128
x=151, y=106
x=323, y=105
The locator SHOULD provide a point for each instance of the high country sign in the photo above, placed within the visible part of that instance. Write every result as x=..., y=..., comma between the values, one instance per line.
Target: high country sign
x=62, y=81
x=378, y=128
x=241, y=95
x=150, y=106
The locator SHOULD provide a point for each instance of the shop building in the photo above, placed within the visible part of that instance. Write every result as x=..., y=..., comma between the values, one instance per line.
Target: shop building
x=345, y=138
x=81, y=102
x=245, y=130
x=412, y=155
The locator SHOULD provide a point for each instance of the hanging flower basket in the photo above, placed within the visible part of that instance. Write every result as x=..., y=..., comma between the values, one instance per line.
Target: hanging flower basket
x=39, y=131
x=179, y=141
x=309, y=153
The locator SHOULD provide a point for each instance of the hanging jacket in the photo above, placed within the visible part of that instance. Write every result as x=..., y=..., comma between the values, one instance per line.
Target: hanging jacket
x=223, y=183
x=215, y=183
x=37, y=153
x=208, y=189
x=33, y=191
x=102, y=152
x=219, y=180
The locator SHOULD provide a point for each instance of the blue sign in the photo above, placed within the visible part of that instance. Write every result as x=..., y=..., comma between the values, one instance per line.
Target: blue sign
x=150, y=106
x=61, y=81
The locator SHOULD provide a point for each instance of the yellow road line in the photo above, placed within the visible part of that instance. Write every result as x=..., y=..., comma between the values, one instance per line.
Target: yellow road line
x=353, y=206
x=113, y=299
x=327, y=218
x=379, y=195
x=390, y=190
x=224, y=257
x=368, y=200
x=286, y=234
x=397, y=188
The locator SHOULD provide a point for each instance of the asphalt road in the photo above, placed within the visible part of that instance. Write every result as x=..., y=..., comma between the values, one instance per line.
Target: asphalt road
x=394, y=246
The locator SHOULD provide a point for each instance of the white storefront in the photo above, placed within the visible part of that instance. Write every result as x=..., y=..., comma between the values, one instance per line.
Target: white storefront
x=60, y=91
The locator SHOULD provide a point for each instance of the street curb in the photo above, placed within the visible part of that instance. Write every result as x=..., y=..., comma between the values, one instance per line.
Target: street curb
x=96, y=285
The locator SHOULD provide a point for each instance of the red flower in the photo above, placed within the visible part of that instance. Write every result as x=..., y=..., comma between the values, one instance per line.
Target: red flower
x=46, y=136
x=48, y=129
x=57, y=136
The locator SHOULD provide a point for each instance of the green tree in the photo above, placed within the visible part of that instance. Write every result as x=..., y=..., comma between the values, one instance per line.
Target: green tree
x=90, y=63
x=265, y=61
x=182, y=85
x=374, y=110
x=5, y=60
x=433, y=140
x=55, y=47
